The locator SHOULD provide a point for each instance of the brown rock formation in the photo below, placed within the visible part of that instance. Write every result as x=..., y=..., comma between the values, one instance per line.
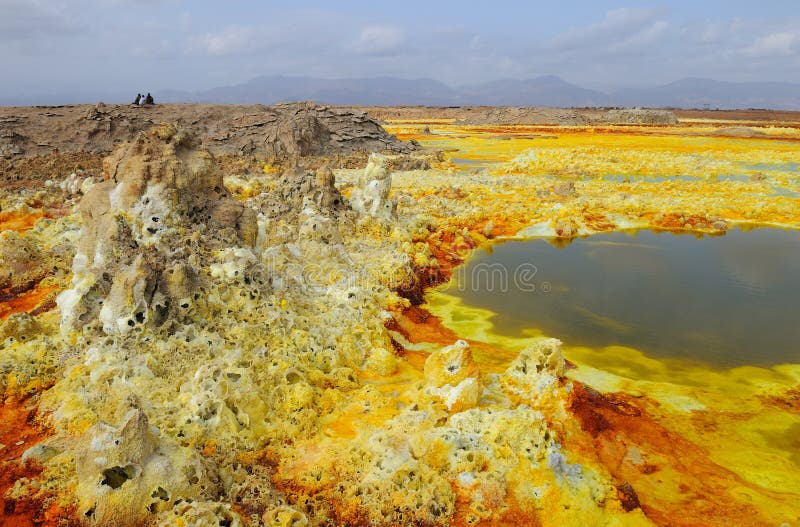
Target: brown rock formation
x=282, y=130
x=141, y=228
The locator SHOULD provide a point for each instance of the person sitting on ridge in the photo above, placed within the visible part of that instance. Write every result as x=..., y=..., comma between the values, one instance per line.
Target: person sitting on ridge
x=138, y=99
x=149, y=99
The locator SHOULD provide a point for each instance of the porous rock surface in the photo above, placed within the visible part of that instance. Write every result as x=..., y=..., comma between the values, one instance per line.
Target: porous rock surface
x=452, y=377
x=371, y=195
x=20, y=261
x=195, y=319
x=221, y=362
x=124, y=472
x=132, y=261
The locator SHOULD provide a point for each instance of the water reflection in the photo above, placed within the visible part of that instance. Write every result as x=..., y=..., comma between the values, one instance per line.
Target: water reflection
x=728, y=300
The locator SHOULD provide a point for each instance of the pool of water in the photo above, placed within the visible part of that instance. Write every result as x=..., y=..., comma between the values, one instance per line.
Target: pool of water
x=465, y=162
x=783, y=167
x=784, y=192
x=727, y=300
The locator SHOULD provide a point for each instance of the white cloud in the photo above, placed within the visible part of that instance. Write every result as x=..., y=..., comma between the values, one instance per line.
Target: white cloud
x=779, y=44
x=229, y=41
x=648, y=35
x=160, y=49
x=475, y=43
x=617, y=26
x=379, y=40
x=294, y=38
x=712, y=33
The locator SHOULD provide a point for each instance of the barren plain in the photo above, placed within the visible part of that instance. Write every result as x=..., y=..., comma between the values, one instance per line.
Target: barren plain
x=228, y=316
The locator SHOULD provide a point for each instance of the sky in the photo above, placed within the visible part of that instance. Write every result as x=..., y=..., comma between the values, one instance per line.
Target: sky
x=52, y=46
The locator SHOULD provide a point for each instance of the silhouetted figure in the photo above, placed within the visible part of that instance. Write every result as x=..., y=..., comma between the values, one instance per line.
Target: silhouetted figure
x=149, y=99
x=138, y=99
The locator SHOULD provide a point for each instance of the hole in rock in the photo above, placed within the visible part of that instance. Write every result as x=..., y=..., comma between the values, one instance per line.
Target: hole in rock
x=114, y=477
x=161, y=494
x=292, y=377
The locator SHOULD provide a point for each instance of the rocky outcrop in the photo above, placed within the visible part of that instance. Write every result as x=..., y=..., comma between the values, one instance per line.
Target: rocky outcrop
x=639, y=116
x=530, y=115
x=282, y=130
x=371, y=196
x=536, y=373
x=21, y=262
x=297, y=188
x=140, y=230
x=305, y=129
x=452, y=377
x=509, y=115
x=127, y=473
x=12, y=143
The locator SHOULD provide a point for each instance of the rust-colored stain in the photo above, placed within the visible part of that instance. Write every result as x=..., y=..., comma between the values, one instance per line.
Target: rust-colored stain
x=598, y=221
x=418, y=325
x=788, y=401
x=449, y=252
x=20, y=429
x=35, y=300
x=514, y=514
x=451, y=247
x=675, y=221
x=628, y=497
x=672, y=479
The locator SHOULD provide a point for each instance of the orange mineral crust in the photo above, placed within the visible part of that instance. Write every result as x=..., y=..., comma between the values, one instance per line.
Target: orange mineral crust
x=674, y=480
x=19, y=220
x=20, y=431
x=38, y=299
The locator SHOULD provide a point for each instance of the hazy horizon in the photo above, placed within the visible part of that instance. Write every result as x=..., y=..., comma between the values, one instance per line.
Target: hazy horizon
x=127, y=46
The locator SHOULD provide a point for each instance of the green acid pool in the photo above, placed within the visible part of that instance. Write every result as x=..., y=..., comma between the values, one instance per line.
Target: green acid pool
x=726, y=300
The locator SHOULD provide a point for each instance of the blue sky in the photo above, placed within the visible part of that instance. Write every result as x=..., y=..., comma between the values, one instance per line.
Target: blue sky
x=108, y=45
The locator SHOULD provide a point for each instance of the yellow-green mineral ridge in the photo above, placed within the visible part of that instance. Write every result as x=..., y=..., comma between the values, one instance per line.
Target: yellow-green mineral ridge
x=250, y=362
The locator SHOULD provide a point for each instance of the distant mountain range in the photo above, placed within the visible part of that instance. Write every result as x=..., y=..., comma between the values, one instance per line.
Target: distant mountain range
x=540, y=91
x=697, y=92
x=390, y=91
